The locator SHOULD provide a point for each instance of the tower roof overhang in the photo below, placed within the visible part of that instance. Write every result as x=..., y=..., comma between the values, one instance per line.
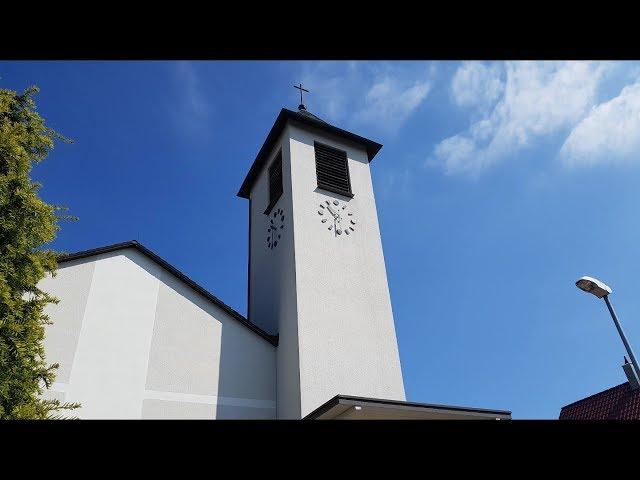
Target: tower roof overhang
x=306, y=119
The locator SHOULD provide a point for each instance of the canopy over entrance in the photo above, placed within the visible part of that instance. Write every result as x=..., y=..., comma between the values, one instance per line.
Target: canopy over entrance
x=359, y=408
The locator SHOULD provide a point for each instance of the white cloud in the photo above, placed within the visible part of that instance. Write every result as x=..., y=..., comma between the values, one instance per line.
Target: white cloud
x=389, y=101
x=190, y=82
x=397, y=183
x=538, y=99
x=609, y=134
x=331, y=84
x=476, y=84
x=193, y=111
x=393, y=91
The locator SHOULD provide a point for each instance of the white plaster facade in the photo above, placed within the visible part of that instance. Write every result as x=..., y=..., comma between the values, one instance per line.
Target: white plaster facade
x=346, y=332
x=329, y=295
x=133, y=341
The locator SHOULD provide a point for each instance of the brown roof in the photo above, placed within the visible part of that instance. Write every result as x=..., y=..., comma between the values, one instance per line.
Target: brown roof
x=617, y=403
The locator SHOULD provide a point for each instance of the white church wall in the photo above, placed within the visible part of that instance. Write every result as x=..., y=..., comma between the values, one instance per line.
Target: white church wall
x=135, y=342
x=61, y=343
x=347, y=340
x=270, y=268
x=272, y=297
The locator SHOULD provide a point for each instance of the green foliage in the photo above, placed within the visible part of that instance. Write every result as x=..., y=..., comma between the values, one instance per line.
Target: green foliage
x=26, y=224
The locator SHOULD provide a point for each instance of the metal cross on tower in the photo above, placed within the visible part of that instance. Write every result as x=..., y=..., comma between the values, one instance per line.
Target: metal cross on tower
x=301, y=106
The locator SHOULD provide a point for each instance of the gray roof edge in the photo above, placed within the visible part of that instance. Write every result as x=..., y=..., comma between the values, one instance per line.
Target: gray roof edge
x=62, y=258
x=284, y=116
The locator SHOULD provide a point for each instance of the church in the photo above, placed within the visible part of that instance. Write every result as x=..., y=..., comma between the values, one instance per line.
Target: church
x=137, y=339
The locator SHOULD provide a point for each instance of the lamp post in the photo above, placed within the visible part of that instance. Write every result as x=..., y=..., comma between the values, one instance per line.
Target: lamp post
x=601, y=290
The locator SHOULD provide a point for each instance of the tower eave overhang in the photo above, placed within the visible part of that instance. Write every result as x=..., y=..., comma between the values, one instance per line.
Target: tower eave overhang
x=285, y=116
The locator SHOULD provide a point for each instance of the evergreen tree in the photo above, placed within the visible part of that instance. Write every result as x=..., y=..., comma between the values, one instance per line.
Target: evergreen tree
x=27, y=223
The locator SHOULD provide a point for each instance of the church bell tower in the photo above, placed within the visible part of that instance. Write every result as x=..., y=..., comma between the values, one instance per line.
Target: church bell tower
x=317, y=277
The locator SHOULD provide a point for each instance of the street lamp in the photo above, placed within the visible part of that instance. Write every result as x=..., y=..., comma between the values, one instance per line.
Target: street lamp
x=601, y=290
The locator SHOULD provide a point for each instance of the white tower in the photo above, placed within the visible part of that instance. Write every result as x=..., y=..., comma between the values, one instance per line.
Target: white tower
x=316, y=269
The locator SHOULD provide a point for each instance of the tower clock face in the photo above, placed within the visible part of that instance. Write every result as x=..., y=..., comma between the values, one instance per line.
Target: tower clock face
x=337, y=217
x=274, y=228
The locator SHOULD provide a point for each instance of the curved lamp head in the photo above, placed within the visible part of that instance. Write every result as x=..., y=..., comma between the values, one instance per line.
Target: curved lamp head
x=594, y=286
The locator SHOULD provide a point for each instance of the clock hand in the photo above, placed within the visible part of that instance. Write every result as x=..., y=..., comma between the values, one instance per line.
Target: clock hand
x=332, y=212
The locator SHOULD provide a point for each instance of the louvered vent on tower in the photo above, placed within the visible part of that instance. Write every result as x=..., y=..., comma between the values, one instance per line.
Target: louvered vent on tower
x=332, y=169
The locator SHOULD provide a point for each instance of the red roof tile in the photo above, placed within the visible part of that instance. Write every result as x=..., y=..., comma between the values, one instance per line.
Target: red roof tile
x=617, y=403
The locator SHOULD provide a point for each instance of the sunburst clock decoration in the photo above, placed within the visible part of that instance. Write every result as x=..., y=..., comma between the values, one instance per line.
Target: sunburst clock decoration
x=337, y=217
x=274, y=228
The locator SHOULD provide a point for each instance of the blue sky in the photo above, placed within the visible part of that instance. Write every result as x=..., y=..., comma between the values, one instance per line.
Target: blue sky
x=499, y=184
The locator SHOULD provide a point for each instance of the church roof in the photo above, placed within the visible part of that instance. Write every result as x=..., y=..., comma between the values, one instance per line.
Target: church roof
x=306, y=113
x=273, y=339
x=305, y=118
